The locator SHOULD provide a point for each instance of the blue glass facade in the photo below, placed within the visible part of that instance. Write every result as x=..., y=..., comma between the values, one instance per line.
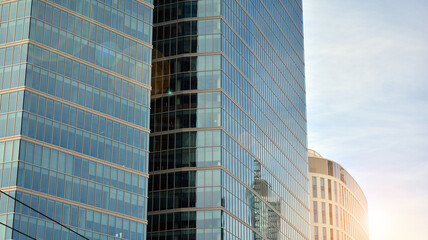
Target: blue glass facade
x=228, y=143
x=74, y=100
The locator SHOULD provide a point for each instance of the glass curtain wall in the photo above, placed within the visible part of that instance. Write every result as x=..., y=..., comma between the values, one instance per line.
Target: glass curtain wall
x=228, y=154
x=74, y=116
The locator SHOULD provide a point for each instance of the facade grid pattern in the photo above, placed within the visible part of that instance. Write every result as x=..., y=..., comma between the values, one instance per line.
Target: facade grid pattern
x=74, y=100
x=228, y=154
x=339, y=206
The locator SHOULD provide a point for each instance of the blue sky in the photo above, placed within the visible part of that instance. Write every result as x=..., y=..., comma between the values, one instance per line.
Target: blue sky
x=367, y=97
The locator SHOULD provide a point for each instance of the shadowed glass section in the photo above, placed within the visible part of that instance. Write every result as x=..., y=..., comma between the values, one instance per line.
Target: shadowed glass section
x=228, y=156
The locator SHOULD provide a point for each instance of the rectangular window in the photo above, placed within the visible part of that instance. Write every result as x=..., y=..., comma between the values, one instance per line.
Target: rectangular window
x=329, y=190
x=314, y=187
x=324, y=233
x=322, y=188
x=316, y=233
x=337, y=217
x=323, y=212
x=335, y=191
x=315, y=211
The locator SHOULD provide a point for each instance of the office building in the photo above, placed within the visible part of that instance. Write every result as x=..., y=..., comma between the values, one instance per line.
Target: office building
x=338, y=205
x=228, y=154
x=74, y=116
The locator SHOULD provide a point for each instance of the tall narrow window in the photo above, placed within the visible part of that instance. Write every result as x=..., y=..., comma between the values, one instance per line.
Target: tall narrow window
x=337, y=216
x=330, y=211
x=314, y=187
x=316, y=233
x=322, y=188
x=315, y=211
x=335, y=191
x=324, y=233
x=323, y=212
x=329, y=189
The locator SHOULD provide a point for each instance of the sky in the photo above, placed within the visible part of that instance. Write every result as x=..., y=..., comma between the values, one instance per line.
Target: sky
x=367, y=98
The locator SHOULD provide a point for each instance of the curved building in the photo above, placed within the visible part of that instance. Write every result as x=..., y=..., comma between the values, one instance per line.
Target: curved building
x=338, y=205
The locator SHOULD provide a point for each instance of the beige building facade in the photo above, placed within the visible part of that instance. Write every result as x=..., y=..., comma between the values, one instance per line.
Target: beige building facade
x=338, y=205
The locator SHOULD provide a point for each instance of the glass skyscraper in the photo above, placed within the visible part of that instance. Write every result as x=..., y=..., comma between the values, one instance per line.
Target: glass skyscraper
x=228, y=143
x=74, y=118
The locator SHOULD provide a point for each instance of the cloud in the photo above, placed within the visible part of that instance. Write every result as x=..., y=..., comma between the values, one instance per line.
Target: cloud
x=367, y=105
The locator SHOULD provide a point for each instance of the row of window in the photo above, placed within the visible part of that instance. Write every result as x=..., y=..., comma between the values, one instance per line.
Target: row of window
x=29, y=222
x=74, y=189
x=331, y=215
x=186, y=81
x=9, y=151
x=337, y=171
x=60, y=66
x=11, y=124
x=14, y=30
x=203, y=197
x=184, y=179
x=43, y=229
x=10, y=102
x=169, y=11
x=13, y=55
x=68, y=164
x=15, y=9
x=88, y=31
x=11, y=77
x=183, y=220
x=65, y=114
x=101, y=13
x=88, y=51
x=323, y=234
x=330, y=187
x=186, y=101
x=185, y=140
x=132, y=7
x=342, y=196
x=191, y=234
x=199, y=27
x=83, y=142
x=182, y=45
x=187, y=64
x=9, y=174
x=86, y=96
x=199, y=118
x=193, y=157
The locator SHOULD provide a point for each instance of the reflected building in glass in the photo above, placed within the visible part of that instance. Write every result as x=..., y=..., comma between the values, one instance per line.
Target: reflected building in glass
x=228, y=154
x=74, y=116
x=339, y=207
